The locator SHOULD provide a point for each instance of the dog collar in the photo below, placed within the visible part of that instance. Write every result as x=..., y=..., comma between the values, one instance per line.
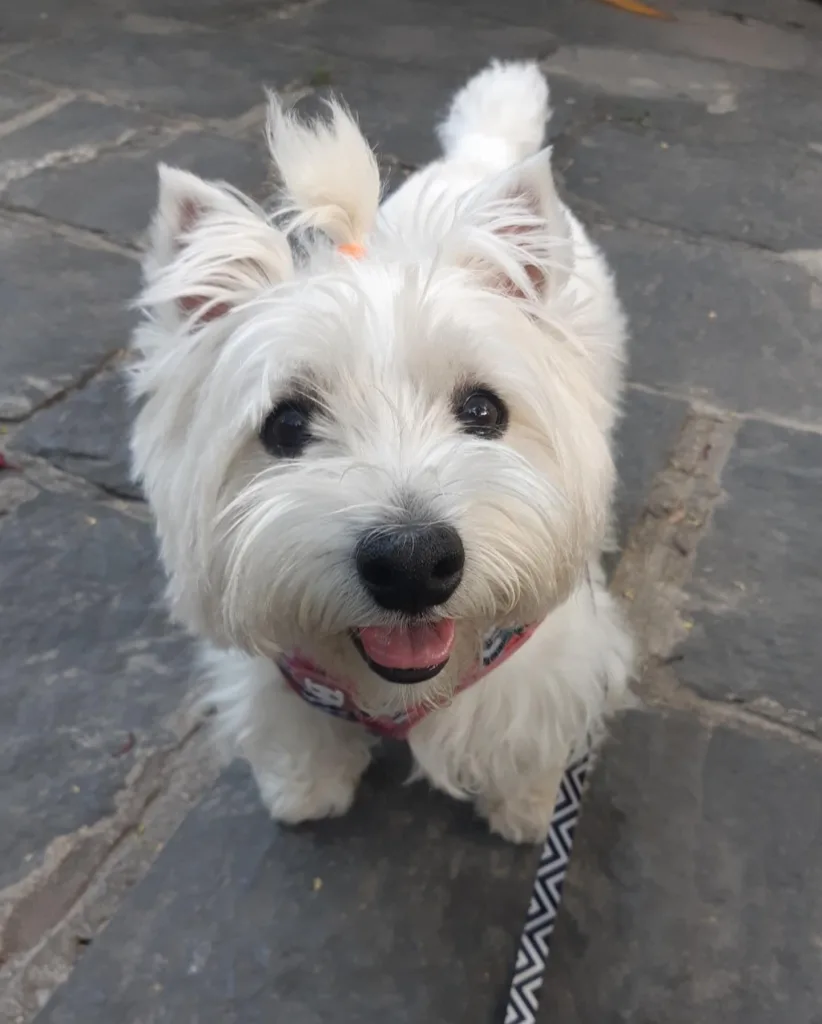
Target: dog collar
x=336, y=696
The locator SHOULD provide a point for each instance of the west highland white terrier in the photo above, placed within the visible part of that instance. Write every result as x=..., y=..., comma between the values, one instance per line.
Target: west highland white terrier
x=377, y=444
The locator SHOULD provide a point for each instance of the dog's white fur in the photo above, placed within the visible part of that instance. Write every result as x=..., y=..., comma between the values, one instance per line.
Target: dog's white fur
x=474, y=271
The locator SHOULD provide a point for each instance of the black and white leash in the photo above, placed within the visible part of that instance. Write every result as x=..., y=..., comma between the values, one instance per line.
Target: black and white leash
x=534, y=944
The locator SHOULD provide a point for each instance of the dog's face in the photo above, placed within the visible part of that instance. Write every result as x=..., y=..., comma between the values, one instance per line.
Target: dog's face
x=372, y=459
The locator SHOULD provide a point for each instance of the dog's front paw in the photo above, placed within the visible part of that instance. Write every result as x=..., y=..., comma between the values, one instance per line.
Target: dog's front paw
x=291, y=801
x=521, y=819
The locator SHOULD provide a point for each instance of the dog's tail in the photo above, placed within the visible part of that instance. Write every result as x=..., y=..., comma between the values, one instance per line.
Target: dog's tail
x=499, y=117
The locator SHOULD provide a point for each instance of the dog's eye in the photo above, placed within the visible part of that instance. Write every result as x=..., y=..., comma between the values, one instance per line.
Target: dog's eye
x=286, y=430
x=482, y=413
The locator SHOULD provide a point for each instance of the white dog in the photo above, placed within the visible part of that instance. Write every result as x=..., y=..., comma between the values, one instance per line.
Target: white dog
x=377, y=444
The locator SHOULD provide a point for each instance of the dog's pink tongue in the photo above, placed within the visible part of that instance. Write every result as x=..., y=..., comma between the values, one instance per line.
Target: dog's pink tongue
x=417, y=646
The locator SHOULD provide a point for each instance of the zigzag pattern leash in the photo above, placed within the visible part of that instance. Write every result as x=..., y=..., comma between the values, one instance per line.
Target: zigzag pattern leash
x=534, y=945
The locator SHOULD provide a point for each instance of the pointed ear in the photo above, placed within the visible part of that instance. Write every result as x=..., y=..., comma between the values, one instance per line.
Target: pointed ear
x=209, y=249
x=519, y=231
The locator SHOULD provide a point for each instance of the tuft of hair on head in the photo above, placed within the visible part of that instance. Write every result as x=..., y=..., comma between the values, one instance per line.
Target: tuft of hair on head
x=329, y=173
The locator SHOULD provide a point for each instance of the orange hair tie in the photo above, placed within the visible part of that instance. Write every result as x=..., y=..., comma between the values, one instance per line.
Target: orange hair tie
x=353, y=249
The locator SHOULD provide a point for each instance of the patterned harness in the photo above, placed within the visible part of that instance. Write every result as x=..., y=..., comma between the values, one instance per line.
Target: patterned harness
x=334, y=696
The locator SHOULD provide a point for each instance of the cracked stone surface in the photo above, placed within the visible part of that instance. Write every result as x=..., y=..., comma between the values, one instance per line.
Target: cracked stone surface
x=693, y=147
x=339, y=932
x=116, y=193
x=90, y=666
x=645, y=438
x=17, y=97
x=691, y=102
x=733, y=327
x=755, y=596
x=414, y=32
x=576, y=22
x=762, y=198
x=73, y=133
x=64, y=312
x=177, y=74
x=87, y=435
x=767, y=43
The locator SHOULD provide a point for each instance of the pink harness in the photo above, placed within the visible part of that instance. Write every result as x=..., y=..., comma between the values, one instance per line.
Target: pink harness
x=334, y=696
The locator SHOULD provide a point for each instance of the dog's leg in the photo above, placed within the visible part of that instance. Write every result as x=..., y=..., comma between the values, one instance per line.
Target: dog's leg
x=523, y=813
x=482, y=748
x=307, y=763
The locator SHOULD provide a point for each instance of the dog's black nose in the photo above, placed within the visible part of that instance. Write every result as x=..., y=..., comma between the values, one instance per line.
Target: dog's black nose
x=411, y=568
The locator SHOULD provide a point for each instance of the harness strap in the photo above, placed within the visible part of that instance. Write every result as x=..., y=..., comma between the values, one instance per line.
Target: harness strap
x=546, y=896
x=338, y=696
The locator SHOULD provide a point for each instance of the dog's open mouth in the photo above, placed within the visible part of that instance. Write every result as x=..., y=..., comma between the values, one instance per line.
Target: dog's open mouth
x=406, y=654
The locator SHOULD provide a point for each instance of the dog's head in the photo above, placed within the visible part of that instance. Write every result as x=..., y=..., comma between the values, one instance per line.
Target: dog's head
x=373, y=455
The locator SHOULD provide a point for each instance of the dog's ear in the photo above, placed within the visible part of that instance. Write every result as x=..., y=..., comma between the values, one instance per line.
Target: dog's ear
x=209, y=250
x=517, y=233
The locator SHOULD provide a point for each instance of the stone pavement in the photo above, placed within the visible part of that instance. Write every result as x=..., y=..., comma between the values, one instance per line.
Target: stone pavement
x=694, y=148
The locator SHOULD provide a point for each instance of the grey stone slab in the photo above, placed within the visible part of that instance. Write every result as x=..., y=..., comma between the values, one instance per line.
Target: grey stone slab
x=210, y=13
x=200, y=73
x=724, y=35
x=767, y=111
x=404, y=910
x=710, y=108
x=705, y=104
x=86, y=435
x=72, y=132
x=44, y=19
x=767, y=38
x=791, y=15
x=64, y=311
x=757, y=590
x=16, y=97
x=752, y=111
x=798, y=15
x=412, y=32
x=117, y=193
x=695, y=888
x=721, y=36
x=89, y=668
x=764, y=196
x=645, y=437
x=731, y=326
